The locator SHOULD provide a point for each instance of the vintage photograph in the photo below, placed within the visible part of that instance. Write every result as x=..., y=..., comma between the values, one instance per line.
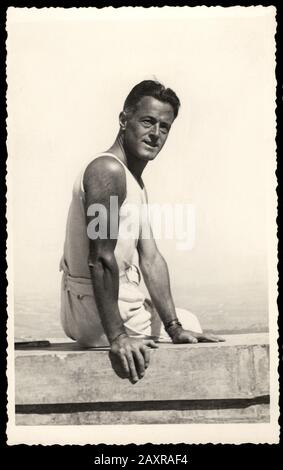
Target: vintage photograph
x=141, y=215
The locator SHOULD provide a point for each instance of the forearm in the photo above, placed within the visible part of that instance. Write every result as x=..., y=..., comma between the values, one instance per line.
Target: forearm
x=156, y=277
x=105, y=281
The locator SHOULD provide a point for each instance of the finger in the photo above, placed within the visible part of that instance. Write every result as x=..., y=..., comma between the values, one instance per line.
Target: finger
x=131, y=363
x=139, y=362
x=124, y=364
x=220, y=338
x=146, y=354
x=150, y=343
x=217, y=338
x=192, y=339
x=188, y=339
x=208, y=339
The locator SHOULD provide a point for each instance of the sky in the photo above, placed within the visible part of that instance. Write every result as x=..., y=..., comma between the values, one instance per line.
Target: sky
x=69, y=72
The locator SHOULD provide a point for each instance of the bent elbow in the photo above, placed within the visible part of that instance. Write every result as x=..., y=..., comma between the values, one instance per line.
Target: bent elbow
x=102, y=262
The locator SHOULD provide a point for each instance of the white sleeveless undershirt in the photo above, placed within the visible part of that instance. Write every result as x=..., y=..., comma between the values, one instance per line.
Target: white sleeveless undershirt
x=76, y=247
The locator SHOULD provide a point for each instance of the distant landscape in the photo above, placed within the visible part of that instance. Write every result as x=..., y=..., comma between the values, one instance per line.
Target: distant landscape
x=230, y=309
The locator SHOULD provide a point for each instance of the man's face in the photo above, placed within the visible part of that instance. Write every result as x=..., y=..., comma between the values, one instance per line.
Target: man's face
x=147, y=129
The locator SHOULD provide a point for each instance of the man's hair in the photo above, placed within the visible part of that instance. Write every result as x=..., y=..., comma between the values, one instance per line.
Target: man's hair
x=154, y=89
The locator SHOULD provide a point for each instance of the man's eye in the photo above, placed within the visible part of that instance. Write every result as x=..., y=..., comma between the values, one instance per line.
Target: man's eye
x=164, y=130
x=147, y=122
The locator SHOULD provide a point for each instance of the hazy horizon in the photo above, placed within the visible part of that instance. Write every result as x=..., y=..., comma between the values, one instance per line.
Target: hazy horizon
x=63, y=107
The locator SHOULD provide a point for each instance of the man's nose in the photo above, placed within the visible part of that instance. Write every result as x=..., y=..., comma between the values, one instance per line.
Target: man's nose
x=154, y=130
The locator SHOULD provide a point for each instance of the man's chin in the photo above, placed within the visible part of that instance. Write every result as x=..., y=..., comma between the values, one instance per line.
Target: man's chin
x=148, y=156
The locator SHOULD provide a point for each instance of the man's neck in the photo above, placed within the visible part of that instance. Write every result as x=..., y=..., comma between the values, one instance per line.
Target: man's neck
x=135, y=166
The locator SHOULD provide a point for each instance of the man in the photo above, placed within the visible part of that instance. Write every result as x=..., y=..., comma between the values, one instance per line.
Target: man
x=101, y=300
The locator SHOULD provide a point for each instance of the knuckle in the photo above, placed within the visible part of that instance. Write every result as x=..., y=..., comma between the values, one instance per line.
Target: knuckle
x=128, y=349
x=139, y=350
x=130, y=359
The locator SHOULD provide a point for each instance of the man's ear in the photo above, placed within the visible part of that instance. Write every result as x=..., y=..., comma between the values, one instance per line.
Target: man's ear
x=122, y=120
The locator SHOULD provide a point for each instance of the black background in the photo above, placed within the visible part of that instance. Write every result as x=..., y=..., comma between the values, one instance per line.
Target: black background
x=202, y=455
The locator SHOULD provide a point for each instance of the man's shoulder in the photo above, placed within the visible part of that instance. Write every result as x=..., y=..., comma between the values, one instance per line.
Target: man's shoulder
x=104, y=164
x=104, y=168
x=105, y=176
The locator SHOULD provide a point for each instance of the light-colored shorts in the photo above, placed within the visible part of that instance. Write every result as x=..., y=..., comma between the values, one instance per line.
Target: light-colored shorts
x=81, y=321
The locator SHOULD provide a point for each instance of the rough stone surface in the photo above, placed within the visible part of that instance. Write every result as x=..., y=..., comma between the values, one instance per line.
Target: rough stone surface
x=220, y=382
x=250, y=414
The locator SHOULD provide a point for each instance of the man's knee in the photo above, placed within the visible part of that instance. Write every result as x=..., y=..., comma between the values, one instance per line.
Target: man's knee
x=189, y=320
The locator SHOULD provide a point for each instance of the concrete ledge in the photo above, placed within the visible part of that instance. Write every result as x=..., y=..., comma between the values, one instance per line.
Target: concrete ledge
x=221, y=382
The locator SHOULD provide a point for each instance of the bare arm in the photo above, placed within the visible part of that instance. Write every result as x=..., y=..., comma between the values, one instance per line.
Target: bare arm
x=156, y=276
x=105, y=178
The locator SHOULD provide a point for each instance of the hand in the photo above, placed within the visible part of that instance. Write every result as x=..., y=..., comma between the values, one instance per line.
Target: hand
x=131, y=356
x=179, y=335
